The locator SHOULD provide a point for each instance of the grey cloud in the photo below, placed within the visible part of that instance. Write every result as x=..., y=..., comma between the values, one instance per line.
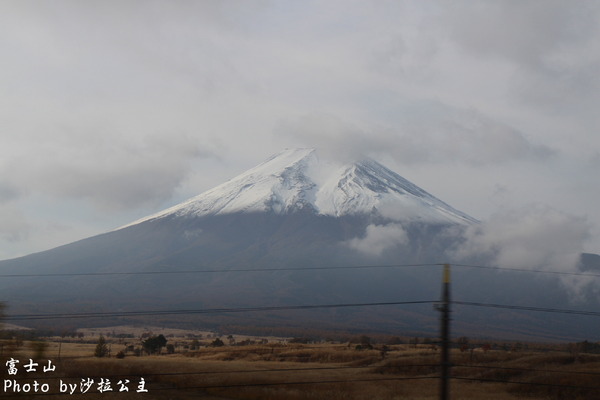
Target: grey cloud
x=107, y=53
x=551, y=45
x=445, y=133
x=337, y=139
x=526, y=32
x=8, y=192
x=14, y=226
x=406, y=54
x=428, y=133
x=113, y=172
x=560, y=90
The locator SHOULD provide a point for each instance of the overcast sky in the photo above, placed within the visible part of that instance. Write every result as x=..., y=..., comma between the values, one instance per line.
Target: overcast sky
x=112, y=110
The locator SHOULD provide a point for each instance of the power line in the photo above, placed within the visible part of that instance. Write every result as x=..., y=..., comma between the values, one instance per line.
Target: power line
x=212, y=271
x=528, y=308
x=554, y=385
x=20, y=317
x=305, y=268
x=537, y=271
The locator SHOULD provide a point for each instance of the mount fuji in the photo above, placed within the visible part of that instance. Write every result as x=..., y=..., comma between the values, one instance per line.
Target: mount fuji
x=294, y=230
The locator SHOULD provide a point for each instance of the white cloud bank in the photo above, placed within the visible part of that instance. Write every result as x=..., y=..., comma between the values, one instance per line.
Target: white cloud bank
x=535, y=237
x=378, y=238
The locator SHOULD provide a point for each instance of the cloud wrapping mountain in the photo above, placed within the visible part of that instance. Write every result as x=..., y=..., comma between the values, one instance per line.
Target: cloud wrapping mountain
x=536, y=237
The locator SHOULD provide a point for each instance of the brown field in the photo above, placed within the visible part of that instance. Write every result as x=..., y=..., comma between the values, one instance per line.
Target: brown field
x=291, y=371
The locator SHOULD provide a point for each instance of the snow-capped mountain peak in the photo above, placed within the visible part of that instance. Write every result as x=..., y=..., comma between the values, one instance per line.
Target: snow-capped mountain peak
x=367, y=186
x=296, y=179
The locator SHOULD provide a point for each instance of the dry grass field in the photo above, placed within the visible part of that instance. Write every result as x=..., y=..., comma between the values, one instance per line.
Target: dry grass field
x=293, y=371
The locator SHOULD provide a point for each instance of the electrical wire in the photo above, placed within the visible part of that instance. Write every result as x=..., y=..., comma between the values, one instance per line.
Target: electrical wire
x=21, y=317
x=528, y=308
x=539, y=271
x=305, y=268
x=213, y=271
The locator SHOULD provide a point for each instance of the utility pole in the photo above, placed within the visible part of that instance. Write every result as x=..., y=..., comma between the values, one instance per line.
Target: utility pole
x=445, y=335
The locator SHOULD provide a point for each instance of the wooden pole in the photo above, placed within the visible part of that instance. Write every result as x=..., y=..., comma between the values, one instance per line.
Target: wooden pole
x=445, y=336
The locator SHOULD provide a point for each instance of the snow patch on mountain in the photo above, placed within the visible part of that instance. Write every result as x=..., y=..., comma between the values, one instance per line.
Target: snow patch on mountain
x=368, y=186
x=296, y=179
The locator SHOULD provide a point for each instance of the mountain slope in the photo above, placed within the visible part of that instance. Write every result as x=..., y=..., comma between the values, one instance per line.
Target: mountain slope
x=367, y=187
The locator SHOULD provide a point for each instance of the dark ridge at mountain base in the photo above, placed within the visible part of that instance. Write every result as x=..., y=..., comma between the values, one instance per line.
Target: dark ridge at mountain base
x=589, y=262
